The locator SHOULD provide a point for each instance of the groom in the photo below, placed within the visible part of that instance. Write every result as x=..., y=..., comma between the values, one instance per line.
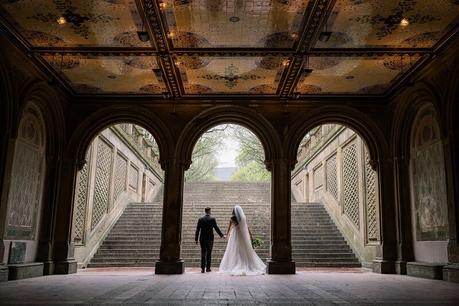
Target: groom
x=206, y=225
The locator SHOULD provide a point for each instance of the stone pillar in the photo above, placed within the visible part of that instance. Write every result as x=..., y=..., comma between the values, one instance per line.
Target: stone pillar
x=45, y=242
x=403, y=214
x=6, y=163
x=169, y=258
x=387, y=252
x=451, y=149
x=281, y=246
x=63, y=247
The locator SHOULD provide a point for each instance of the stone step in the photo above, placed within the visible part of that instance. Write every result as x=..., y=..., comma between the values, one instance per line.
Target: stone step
x=334, y=264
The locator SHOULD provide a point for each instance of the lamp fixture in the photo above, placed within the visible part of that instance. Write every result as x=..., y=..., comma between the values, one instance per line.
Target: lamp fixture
x=162, y=5
x=285, y=62
x=61, y=20
x=170, y=34
x=404, y=22
x=143, y=36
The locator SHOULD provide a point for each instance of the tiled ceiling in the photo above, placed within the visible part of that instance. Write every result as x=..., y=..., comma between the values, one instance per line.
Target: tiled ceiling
x=215, y=48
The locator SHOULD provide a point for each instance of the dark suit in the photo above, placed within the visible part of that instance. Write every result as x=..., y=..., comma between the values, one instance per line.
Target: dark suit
x=205, y=232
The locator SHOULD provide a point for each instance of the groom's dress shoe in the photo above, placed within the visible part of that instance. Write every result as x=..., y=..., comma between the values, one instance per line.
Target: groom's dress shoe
x=208, y=270
x=202, y=270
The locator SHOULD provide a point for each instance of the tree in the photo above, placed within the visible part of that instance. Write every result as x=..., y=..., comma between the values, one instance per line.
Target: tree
x=251, y=157
x=204, y=158
x=252, y=172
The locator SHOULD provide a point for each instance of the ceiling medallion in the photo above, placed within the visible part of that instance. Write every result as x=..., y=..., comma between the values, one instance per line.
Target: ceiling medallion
x=234, y=19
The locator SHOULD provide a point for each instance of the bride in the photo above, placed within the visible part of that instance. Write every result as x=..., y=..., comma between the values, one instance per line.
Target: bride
x=240, y=258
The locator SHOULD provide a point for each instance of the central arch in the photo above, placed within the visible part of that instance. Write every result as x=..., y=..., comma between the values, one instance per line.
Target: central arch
x=245, y=117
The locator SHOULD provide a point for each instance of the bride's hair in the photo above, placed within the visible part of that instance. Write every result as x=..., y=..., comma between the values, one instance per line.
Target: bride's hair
x=234, y=218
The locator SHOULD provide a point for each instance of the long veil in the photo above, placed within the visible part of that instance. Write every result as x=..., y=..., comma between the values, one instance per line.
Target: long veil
x=239, y=257
x=243, y=227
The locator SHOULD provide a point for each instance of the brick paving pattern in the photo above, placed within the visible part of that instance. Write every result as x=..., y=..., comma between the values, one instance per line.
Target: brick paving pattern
x=307, y=287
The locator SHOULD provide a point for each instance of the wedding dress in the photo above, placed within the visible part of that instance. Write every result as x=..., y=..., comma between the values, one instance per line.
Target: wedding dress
x=239, y=257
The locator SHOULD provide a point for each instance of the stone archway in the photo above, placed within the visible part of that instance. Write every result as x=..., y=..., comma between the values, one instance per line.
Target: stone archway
x=170, y=262
x=252, y=193
x=343, y=189
x=74, y=160
x=378, y=160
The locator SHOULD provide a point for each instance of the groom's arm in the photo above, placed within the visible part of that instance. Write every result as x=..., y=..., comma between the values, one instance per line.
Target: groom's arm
x=198, y=228
x=219, y=232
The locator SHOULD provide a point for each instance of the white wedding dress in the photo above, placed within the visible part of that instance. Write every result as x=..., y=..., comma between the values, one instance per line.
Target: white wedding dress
x=240, y=258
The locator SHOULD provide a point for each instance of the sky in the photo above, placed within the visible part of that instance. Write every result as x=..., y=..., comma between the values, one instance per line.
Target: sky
x=227, y=155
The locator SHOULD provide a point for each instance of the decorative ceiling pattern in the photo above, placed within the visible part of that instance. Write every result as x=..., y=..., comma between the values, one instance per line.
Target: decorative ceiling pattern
x=360, y=75
x=230, y=75
x=246, y=48
x=65, y=23
x=234, y=24
x=389, y=23
x=108, y=74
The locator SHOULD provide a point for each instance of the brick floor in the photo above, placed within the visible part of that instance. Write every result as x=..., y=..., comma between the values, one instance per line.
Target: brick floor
x=307, y=287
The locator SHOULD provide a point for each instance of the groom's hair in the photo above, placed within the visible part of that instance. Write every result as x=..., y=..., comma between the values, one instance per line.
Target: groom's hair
x=207, y=210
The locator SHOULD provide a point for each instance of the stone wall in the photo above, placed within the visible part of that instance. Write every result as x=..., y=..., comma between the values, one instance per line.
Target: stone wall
x=25, y=189
x=122, y=167
x=334, y=168
x=429, y=210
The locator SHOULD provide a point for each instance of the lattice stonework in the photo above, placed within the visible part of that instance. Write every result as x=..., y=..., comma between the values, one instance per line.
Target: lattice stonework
x=102, y=182
x=332, y=182
x=120, y=176
x=133, y=177
x=371, y=201
x=351, y=183
x=81, y=202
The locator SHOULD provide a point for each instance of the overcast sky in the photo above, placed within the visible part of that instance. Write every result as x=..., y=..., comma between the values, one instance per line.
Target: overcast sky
x=227, y=155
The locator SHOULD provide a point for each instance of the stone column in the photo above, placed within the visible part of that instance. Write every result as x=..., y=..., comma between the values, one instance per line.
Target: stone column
x=451, y=149
x=45, y=242
x=63, y=247
x=281, y=246
x=6, y=163
x=169, y=258
x=403, y=213
x=387, y=252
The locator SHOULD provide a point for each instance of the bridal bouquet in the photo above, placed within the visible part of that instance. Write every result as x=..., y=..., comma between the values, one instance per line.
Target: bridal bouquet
x=256, y=242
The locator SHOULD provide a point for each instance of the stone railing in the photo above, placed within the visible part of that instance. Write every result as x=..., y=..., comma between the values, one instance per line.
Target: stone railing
x=142, y=142
x=315, y=141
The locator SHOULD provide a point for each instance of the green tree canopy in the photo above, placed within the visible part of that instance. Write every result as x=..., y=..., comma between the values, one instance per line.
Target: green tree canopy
x=251, y=157
x=204, y=158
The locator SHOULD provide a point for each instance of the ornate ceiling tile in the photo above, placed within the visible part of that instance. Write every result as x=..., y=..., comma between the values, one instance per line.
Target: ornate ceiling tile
x=389, y=23
x=76, y=23
x=230, y=75
x=234, y=24
x=352, y=75
x=108, y=74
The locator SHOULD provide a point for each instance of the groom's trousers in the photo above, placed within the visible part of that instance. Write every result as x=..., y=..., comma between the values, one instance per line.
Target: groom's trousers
x=206, y=253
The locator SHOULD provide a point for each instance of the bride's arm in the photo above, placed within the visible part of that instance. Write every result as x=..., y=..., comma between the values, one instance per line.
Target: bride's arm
x=250, y=233
x=228, y=231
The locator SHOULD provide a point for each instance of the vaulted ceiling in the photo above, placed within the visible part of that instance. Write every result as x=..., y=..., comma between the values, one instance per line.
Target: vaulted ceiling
x=231, y=48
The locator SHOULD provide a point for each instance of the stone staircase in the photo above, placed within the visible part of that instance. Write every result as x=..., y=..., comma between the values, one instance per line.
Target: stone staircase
x=316, y=241
x=135, y=238
x=254, y=198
